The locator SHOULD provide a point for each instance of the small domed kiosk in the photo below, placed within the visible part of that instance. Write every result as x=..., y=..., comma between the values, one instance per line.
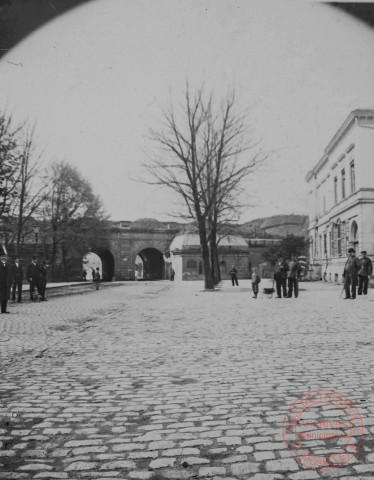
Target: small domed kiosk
x=186, y=261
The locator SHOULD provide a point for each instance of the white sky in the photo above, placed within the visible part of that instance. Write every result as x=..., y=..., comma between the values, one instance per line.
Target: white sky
x=97, y=79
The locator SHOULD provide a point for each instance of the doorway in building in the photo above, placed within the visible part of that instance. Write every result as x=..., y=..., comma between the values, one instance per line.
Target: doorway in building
x=107, y=260
x=150, y=265
x=353, y=238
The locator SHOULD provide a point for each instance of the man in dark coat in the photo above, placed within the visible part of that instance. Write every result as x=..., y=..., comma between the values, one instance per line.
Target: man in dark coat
x=280, y=277
x=350, y=274
x=366, y=271
x=17, y=278
x=5, y=280
x=293, y=274
x=33, y=276
x=43, y=270
x=234, y=276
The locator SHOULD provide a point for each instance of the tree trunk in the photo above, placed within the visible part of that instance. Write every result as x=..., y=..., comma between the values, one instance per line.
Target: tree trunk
x=216, y=263
x=208, y=279
x=216, y=274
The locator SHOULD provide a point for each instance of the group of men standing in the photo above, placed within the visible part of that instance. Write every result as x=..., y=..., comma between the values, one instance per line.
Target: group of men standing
x=12, y=275
x=287, y=276
x=356, y=274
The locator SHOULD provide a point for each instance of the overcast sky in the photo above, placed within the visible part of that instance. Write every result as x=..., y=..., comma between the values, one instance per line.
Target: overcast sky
x=95, y=80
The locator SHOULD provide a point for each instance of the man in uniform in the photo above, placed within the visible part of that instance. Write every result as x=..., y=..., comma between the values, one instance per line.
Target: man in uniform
x=293, y=275
x=351, y=268
x=33, y=276
x=366, y=271
x=17, y=276
x=5, y=280
x=280, y=277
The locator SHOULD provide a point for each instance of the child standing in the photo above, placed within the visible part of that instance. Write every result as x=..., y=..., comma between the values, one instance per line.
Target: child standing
x=255, y=278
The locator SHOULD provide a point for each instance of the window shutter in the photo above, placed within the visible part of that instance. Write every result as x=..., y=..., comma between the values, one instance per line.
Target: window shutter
x=334, y=239
x=346, y=236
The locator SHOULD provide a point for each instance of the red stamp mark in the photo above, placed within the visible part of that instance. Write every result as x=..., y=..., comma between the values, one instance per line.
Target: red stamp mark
x=323, y=430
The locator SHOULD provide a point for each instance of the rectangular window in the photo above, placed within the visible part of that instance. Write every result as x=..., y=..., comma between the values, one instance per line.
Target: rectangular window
x=331, y=244
x=334, y=246
x=339, y=237
x=343, y=183
x=336, y=189
x=353, y=177
x=325, y=243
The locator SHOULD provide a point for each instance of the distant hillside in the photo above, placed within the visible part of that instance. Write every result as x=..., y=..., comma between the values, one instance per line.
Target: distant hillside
x=277, y=226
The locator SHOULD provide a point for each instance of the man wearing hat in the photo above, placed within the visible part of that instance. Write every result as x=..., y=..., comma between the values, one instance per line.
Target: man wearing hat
x=17, y=275
x=366, y=270
x=5, y=279
x=280, y=277
x=33, y=276
x=351, y=268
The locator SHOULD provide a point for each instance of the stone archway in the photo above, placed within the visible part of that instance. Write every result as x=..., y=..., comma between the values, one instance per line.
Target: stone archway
x=107, y=264
x=90, y=262
x=153, y=264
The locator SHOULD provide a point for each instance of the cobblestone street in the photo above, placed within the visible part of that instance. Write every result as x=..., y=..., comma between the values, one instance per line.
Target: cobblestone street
x=164, y=381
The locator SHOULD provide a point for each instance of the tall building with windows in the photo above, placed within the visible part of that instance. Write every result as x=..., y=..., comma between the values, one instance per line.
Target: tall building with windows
x=341, y=197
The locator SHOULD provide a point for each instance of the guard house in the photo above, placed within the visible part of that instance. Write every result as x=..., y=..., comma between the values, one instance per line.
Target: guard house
x=341, y=197
x=186, y=261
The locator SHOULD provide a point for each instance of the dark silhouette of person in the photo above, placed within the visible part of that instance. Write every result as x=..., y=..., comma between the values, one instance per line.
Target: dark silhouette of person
x=17, y=279
x=280, y=277
x=33, y=276
x=5, y=280
x=350, y=274
x=293, y=274
x=97, y=278
x=234, y=276
x=366, y=271
x=43, y=269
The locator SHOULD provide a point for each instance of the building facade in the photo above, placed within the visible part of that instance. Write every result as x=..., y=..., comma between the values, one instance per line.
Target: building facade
x=341, y=197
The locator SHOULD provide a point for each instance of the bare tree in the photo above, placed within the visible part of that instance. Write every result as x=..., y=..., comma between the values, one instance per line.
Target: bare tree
x=32, y=190
x=9, y=163
x=202, y=160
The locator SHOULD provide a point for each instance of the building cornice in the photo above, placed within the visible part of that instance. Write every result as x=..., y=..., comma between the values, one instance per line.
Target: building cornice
x=341, y=208
x=347, y=124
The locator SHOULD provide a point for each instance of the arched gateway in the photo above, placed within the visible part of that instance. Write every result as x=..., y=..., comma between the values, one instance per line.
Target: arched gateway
x=138, y=248
x=147, y=249
x=150, y=265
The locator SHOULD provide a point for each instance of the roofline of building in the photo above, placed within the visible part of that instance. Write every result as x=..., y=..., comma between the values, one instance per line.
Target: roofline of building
x=346, y=125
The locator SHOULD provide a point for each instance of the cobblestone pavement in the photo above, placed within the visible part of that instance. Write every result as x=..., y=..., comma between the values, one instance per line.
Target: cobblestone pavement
x=165, y=381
